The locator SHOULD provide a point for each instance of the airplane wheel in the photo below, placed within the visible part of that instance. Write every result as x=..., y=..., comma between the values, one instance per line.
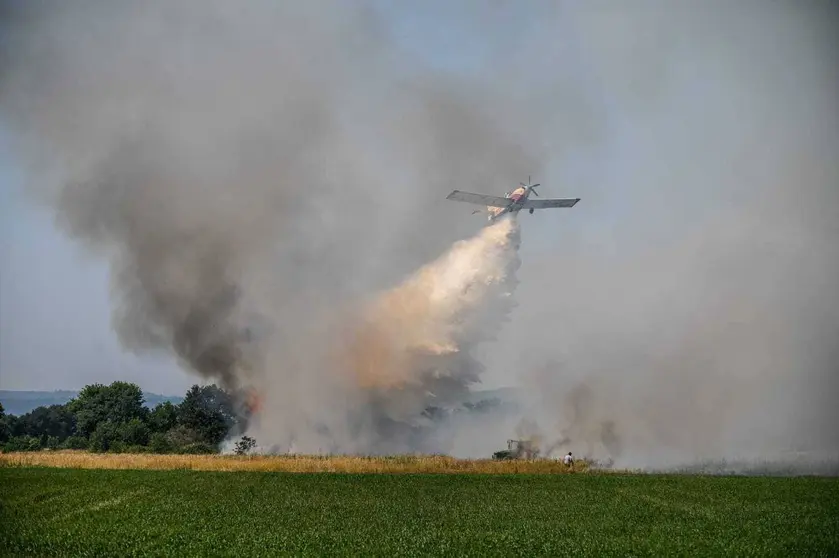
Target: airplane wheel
x=531, y=211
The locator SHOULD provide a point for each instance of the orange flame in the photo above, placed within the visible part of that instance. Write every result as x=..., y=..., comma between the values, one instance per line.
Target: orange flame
x=254, y=402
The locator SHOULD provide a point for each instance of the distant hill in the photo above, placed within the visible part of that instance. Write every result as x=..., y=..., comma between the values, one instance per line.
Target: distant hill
x=21, y=402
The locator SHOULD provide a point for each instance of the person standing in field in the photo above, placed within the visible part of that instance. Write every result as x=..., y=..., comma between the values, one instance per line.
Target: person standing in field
x=568, y=460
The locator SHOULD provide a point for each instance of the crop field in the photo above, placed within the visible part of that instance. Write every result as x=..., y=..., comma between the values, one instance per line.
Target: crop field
x=78, y=512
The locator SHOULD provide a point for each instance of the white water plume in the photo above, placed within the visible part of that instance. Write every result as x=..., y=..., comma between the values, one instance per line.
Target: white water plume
x=444, y=308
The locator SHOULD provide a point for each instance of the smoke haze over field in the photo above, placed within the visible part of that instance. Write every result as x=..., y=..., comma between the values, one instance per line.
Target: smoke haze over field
x=259, y=177
x=399, y=353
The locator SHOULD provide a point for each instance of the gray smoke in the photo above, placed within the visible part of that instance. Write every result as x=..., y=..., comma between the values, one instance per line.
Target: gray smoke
x=255, y=173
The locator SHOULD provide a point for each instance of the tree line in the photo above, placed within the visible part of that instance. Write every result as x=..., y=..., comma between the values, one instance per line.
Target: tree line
x=114, y=418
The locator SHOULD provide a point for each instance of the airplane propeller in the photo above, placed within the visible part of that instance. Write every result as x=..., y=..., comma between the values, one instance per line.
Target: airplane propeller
x=529, y=187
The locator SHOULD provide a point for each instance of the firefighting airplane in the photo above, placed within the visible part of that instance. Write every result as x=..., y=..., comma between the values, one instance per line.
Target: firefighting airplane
x=512, y=202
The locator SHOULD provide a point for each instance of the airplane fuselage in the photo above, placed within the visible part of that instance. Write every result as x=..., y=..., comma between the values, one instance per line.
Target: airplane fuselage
x=517, y=198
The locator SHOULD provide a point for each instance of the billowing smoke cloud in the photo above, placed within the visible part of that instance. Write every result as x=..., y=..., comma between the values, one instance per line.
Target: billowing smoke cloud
x=257, y=175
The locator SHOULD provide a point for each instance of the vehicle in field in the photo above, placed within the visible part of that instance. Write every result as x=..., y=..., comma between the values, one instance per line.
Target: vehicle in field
x=518, y=449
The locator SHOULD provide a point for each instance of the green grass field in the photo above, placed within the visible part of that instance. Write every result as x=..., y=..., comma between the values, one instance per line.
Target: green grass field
x=68, y=512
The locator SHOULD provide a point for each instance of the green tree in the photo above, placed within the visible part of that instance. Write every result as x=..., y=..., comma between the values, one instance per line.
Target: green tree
x=22, y=443
x=209, y=411
x=163, y=417
x=106, y=435
x=43, y=422
x=182, y=436
x=117, y=403
x=13, y=426
x=159, y=443
x=5, y=431
x=75, y=443
x=244, y=445
x=135, y=433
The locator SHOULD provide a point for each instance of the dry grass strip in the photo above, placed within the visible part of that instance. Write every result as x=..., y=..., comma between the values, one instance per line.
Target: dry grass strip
x=285, y=463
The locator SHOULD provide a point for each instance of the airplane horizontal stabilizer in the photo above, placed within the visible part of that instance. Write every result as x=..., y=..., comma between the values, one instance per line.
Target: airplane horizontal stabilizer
x=479, y=199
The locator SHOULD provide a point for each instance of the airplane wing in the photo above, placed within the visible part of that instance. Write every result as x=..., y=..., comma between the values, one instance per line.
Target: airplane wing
x=479, y=199
x=545, y=204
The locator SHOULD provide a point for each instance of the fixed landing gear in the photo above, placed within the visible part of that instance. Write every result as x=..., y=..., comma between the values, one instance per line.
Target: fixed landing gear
x=531, y=211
